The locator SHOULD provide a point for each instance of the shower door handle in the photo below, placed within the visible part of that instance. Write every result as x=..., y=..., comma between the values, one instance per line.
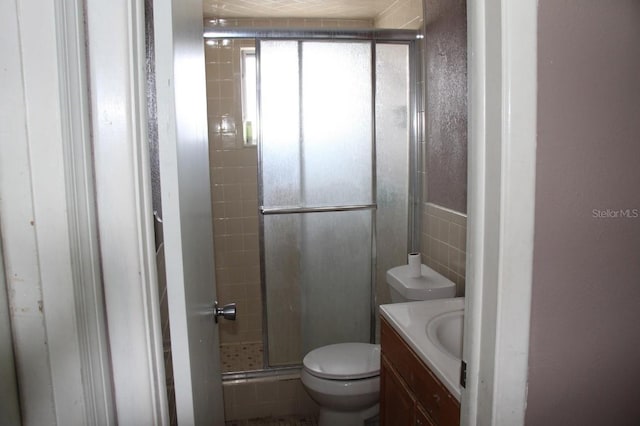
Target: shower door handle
x=227, y=312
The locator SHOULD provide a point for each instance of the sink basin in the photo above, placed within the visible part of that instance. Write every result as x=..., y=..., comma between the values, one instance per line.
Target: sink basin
x=445, y=331
x=433, y=329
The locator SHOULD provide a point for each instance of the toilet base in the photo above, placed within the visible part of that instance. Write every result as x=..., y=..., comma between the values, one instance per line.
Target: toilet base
x=346, y=418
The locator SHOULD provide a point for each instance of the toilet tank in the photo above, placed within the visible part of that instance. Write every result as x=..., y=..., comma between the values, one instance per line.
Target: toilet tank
x=430, y=285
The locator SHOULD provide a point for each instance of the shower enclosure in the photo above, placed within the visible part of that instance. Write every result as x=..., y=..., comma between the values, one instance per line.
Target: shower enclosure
x=335, y=187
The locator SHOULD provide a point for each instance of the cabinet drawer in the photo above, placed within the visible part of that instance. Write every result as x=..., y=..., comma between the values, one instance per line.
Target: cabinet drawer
x=428, y=391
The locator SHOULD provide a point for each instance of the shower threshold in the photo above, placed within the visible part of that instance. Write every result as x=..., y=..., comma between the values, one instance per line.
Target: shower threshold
x=289, y=371
x=241, y=361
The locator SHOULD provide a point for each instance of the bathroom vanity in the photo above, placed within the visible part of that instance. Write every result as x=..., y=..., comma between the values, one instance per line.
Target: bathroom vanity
x=411, y=393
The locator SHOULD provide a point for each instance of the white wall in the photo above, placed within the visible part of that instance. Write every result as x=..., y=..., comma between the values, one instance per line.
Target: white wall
x=34, y=218
x=9, y=404
x=48, y=216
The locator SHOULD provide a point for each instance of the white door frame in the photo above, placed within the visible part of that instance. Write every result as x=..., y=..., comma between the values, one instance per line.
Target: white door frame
x=9, y=403
x=48, y=221
x=502, y=58
x=117, y=78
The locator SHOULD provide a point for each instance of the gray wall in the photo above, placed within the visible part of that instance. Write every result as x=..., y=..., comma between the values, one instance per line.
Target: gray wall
x=585, y=324
x=446, y=103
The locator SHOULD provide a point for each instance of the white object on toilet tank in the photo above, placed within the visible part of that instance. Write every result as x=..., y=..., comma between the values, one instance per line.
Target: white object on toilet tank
x=414, y=260
x=429, y=285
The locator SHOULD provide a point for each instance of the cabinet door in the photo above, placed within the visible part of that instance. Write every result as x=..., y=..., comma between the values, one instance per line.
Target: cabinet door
x=422, y=418
x=425, y=388
x=396, y=402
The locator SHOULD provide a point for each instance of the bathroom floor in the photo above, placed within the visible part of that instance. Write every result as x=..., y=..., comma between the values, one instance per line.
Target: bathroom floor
x=241, y=357
x=276, y=421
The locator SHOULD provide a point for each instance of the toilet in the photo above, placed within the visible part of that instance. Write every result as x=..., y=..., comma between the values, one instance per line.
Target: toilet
x=344, y=378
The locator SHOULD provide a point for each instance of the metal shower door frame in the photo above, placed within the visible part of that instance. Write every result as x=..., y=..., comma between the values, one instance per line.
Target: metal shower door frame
x=375, y=37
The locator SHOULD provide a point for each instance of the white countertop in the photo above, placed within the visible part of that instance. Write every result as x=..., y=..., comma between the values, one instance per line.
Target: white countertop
x=410, y=321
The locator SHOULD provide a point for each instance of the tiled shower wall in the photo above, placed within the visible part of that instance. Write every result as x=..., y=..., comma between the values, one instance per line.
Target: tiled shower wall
x=234, y=189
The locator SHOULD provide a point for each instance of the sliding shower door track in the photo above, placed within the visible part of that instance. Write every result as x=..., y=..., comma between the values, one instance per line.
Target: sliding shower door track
x=264, y=373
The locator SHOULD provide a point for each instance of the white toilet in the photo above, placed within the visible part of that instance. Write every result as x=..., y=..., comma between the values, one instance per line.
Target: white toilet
x=344, y=379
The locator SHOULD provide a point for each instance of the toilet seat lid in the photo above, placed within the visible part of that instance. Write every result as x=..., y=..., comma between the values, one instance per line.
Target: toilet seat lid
x=344, y=361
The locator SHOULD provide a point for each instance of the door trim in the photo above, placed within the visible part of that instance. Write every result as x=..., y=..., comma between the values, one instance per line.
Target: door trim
x=9, y=403
x=82, y=218
x=48, y=218
x=502, y=39
x=116, y=40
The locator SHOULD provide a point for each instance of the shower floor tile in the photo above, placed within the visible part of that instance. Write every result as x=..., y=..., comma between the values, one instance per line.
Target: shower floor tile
x=276, y=421
x=241, y=357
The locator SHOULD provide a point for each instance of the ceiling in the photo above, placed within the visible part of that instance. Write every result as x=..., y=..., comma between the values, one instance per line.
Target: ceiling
x=345, y=9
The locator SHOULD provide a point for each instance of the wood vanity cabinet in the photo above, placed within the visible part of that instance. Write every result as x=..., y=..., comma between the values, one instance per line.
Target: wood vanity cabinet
x=410, y=393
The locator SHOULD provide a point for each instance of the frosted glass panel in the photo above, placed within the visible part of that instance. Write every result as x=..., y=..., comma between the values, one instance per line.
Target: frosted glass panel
x=318, y=275
x=336, y=123
x=392, y=151
x=317, y=148
x=282, y=277
x=280, y=122
x=336, y=278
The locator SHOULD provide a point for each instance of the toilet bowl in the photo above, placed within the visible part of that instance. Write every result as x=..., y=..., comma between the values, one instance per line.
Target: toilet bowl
x=344, y=378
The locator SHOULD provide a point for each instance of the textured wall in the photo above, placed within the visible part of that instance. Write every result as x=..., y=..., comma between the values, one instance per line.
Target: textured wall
x=585, y=328
x=446, y=104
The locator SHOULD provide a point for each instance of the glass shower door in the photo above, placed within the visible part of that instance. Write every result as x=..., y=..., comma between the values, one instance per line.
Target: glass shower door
x=317, y=193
